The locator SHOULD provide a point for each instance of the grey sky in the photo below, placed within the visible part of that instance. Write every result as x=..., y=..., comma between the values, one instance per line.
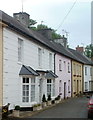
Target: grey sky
x=52, y=12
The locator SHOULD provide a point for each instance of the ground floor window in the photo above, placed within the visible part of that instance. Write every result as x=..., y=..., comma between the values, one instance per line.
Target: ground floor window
x=60, y=86
x=91, y=85
x=28, y=89
x=25, y=93
x=86, y=86
x=50, y=87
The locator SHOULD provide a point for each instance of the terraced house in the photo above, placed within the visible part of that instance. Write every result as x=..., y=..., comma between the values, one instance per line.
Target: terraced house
x=31, y=65
x=81, y=73
x=28, y=64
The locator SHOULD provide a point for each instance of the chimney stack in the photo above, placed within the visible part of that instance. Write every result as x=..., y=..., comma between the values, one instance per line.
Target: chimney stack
x=80, y=49
x=23, y=17
x=62, y=41
x=46, y=32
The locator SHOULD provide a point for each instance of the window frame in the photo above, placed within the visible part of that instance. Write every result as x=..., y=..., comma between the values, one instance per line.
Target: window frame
x=32, y=82
x=20, y=50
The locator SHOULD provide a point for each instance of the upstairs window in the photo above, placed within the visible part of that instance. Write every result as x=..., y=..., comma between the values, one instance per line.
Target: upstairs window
x=50, y=60
x=68, y=67
x=90, y=71
x=60, y=65
x=39, y=57
x=85, y=70
x=20, y=50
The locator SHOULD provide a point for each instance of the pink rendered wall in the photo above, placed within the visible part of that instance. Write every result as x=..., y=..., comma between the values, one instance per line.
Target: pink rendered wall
x=63, y=76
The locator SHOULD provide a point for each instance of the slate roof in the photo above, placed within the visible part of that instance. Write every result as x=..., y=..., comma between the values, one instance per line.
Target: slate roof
x=50, y=75
x=37, y=37
x=82, y=57
x=27, y=70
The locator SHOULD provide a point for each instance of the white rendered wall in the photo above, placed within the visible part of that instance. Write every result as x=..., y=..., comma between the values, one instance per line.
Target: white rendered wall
x=12, y=81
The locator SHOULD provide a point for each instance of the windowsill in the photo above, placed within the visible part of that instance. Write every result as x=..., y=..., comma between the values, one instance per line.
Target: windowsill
x=34, y=102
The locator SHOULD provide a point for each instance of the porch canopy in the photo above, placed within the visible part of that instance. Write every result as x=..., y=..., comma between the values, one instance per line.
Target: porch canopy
x=50, y=75
x=27, y=71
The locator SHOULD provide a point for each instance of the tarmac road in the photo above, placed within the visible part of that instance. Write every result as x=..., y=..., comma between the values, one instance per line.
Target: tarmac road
x=71, y=108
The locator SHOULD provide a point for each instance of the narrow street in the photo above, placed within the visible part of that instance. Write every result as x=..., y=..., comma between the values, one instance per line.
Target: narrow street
x=72, y=108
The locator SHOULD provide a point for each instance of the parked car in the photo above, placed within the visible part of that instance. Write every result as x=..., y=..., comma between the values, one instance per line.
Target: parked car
x=90, y=107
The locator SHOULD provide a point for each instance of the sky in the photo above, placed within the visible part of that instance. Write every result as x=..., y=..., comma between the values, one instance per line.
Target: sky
x=54, y=14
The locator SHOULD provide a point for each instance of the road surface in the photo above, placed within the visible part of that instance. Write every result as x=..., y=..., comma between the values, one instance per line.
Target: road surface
x=71, y=108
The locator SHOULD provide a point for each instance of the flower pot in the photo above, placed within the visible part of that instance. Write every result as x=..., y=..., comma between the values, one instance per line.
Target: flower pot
x=57, y=101
x=16, y=113
x=44, y=104
x=39, y=107
x=49, y=102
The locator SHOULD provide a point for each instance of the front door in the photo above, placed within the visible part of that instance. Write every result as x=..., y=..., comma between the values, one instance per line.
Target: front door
x=77, y=86
x=64, y=90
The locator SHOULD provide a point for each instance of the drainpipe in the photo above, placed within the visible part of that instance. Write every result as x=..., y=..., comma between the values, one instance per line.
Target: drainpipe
x=71, y=80
x=54, y=63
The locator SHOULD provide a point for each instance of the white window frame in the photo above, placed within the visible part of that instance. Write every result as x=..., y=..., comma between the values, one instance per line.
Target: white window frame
x=20, y=50
x=31, y=94
x=60, y=86
x=85, y=70
x=25, y=83
x=51, y=87
x=39, y=57
x=50, y=60
x=90, y=71
x=60, y=65
x=86, y=86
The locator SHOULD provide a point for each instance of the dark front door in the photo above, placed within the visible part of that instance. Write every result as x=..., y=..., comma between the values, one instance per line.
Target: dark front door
x=64, y=90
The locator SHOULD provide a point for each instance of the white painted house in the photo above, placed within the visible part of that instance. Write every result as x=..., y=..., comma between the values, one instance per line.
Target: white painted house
x=88, y=78
x=28, y=65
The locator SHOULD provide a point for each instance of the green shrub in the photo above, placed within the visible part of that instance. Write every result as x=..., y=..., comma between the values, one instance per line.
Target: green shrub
x=36, y=105
x=58, y=97
x=49, y=97
x=17, y=107
x=53, y=101
x=44, y=98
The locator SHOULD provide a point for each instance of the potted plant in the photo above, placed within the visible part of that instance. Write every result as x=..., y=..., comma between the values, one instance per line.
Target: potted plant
x=57, y=99
x=44, y=101
x=37, y=107
x=53, y=101
x=49, y=100
x=16, y=111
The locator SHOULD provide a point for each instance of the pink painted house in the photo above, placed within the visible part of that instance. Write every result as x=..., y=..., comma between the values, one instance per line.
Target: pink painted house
x=63, y=70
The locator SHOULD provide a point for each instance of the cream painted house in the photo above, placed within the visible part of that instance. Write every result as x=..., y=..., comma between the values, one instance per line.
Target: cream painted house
x=77, y=78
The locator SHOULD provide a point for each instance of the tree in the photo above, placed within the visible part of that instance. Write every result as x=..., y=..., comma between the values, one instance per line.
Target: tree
x=55, y=35
x=31, y=23
x=41, y=26
x=89, y=51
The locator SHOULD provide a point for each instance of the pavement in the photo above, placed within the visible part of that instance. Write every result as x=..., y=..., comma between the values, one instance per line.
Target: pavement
x=56, y=110
x=27, y=114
